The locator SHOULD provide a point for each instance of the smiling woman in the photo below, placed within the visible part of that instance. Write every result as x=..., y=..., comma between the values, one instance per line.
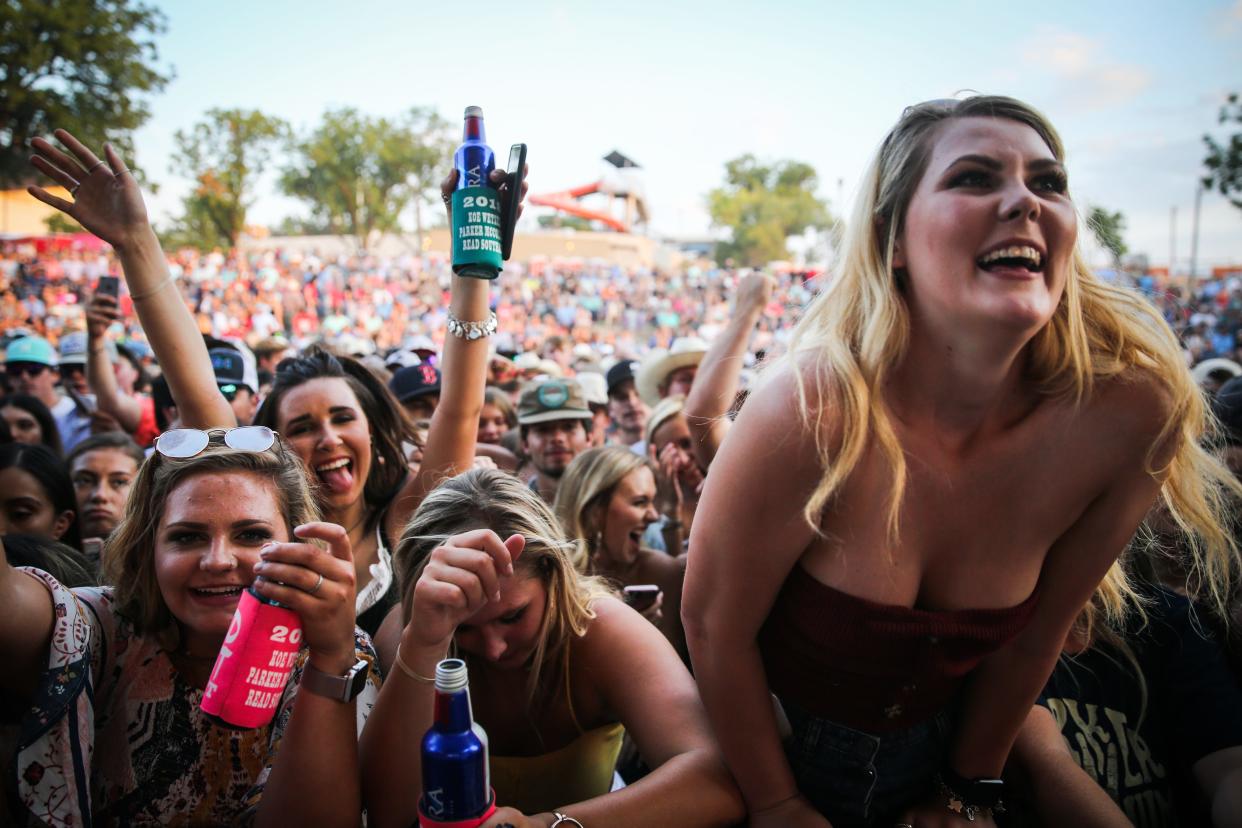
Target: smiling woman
x=114, y=676
x=922, y=495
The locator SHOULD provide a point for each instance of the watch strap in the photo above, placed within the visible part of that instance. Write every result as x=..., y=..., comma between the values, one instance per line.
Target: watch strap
x=339, y=688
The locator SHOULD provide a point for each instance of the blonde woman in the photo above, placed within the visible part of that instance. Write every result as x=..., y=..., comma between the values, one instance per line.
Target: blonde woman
x=559, y=671
x=606, y=501
x=113, y=676
x=926, y=490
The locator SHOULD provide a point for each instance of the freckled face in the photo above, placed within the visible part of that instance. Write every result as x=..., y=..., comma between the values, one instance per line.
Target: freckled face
x=206, y=545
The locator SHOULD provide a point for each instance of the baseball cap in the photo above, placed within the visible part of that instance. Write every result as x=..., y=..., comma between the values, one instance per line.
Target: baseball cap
x=415, y=381
x=73, y=348
x=624, y=370
x=232, y=369
x=546, y=400
x=31, y=349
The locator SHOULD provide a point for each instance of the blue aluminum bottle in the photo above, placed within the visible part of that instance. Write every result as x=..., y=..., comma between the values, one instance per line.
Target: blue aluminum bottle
x=456, y=783
x=474, y=159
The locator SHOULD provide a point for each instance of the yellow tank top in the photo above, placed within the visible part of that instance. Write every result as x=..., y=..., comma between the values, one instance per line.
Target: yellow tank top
x=581, y=770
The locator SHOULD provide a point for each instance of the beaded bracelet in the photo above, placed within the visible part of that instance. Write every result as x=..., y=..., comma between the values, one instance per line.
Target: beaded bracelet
x=472, y=330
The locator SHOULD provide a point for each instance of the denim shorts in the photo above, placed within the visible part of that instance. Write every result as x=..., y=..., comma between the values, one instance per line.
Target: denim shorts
x=860, y=779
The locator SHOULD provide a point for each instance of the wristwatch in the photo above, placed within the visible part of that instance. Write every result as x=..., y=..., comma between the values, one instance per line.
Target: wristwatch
x=338, y=688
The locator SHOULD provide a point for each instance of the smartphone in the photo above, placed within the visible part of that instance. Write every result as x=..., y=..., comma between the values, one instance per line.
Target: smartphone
x=108, y=286
x=517, y=172
x=641, y=596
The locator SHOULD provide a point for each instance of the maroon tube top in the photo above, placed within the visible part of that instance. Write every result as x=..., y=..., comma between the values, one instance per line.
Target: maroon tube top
x=875, y=667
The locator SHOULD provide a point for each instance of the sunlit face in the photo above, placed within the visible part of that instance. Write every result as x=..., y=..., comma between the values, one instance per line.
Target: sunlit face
x=25, y=507
x=679, y=381
x=631, y=509
x=552, y=445
x=492, y=425
x=22, y=425
x=206, y=545
x=676, y=431
x=506, y=633
x=626, y=408
x=101, y=482
x=991, y=184
x=323, y=422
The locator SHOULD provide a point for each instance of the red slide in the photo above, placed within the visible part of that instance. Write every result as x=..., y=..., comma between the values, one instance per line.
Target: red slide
x=567, y=202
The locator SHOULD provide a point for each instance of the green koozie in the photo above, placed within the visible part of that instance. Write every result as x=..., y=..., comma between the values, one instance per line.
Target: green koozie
x=476, y=232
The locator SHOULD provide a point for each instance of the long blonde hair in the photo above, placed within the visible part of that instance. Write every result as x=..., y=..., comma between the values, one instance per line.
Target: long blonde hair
x=128, y=557
x=583, y=494
x=858, y=328
x=490, y=499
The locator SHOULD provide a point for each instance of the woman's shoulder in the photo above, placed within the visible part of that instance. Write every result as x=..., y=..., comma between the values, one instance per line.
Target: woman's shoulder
x=1135, y=404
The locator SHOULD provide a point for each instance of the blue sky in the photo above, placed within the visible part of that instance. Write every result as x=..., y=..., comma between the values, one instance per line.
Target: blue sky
x=684, y=86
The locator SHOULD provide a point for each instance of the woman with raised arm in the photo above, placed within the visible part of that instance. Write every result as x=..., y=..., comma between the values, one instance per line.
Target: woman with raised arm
x=337, y=417
x=925, y=491
x=559, y=671
x=113, y=677
x=349, y=431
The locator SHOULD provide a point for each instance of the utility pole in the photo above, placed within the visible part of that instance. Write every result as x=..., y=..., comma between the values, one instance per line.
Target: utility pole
x=1173, y=246
x=1194, y=232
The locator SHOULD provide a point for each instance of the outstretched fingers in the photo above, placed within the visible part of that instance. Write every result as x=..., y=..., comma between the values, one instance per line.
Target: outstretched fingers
x=86, y=158
x=67, y=163
x=50, y=200
x=114, y=161
x=53, y=172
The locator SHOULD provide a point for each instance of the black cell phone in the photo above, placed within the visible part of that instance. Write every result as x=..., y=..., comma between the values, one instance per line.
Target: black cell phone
x=108, y=286
x=517, y=172
x=641, y=596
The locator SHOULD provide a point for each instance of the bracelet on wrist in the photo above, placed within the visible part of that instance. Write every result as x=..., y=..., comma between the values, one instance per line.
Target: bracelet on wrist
x=471, y=330
x=408, y=670
x=971, y=798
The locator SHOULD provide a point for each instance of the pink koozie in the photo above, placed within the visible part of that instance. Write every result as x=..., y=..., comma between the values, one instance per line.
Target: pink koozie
x=254, y=664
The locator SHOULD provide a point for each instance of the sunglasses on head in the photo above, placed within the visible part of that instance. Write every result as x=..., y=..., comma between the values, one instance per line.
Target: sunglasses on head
x=181, y=443
x=30, y=369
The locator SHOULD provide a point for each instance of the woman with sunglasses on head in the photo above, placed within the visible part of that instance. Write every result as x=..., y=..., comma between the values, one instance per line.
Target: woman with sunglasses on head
x=913, y=507
x=338, y=419
x=114, y=677
x=559, y=671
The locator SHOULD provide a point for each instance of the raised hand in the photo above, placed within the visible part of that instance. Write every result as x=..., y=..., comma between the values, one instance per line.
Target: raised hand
x=500, y=180
x=106, y=199
x=101, y=312
x=755, y=291
x=463, y=574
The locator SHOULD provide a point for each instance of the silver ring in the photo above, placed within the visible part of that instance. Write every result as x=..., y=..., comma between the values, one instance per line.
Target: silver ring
x=96, y=166
x=73, y=191
x=903, y=825
x=317, y=585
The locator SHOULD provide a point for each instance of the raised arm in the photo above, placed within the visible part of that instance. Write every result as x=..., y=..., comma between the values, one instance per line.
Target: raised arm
x=25, y=629
x=455, y=423
x=108, y=202
x=747, y=536
x=715, y=385
x=100, y=313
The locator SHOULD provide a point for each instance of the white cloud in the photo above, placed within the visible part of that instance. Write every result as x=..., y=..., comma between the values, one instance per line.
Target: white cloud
x=1084, y=77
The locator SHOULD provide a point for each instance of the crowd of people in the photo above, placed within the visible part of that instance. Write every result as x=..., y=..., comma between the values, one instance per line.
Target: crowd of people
x=945, y=535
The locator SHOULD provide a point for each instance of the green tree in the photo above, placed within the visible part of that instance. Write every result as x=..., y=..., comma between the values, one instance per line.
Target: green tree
x=223, y=153
x=81, y=65
x=433, y=142
x=763, y=205
x=1108, y=229
x=1224, y=161
x=358, y=173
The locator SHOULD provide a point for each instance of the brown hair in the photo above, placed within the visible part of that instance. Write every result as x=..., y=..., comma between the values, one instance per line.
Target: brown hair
x=128, y=557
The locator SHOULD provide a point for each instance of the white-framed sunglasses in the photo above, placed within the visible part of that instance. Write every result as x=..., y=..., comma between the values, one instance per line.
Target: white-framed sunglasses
x=181, y=443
